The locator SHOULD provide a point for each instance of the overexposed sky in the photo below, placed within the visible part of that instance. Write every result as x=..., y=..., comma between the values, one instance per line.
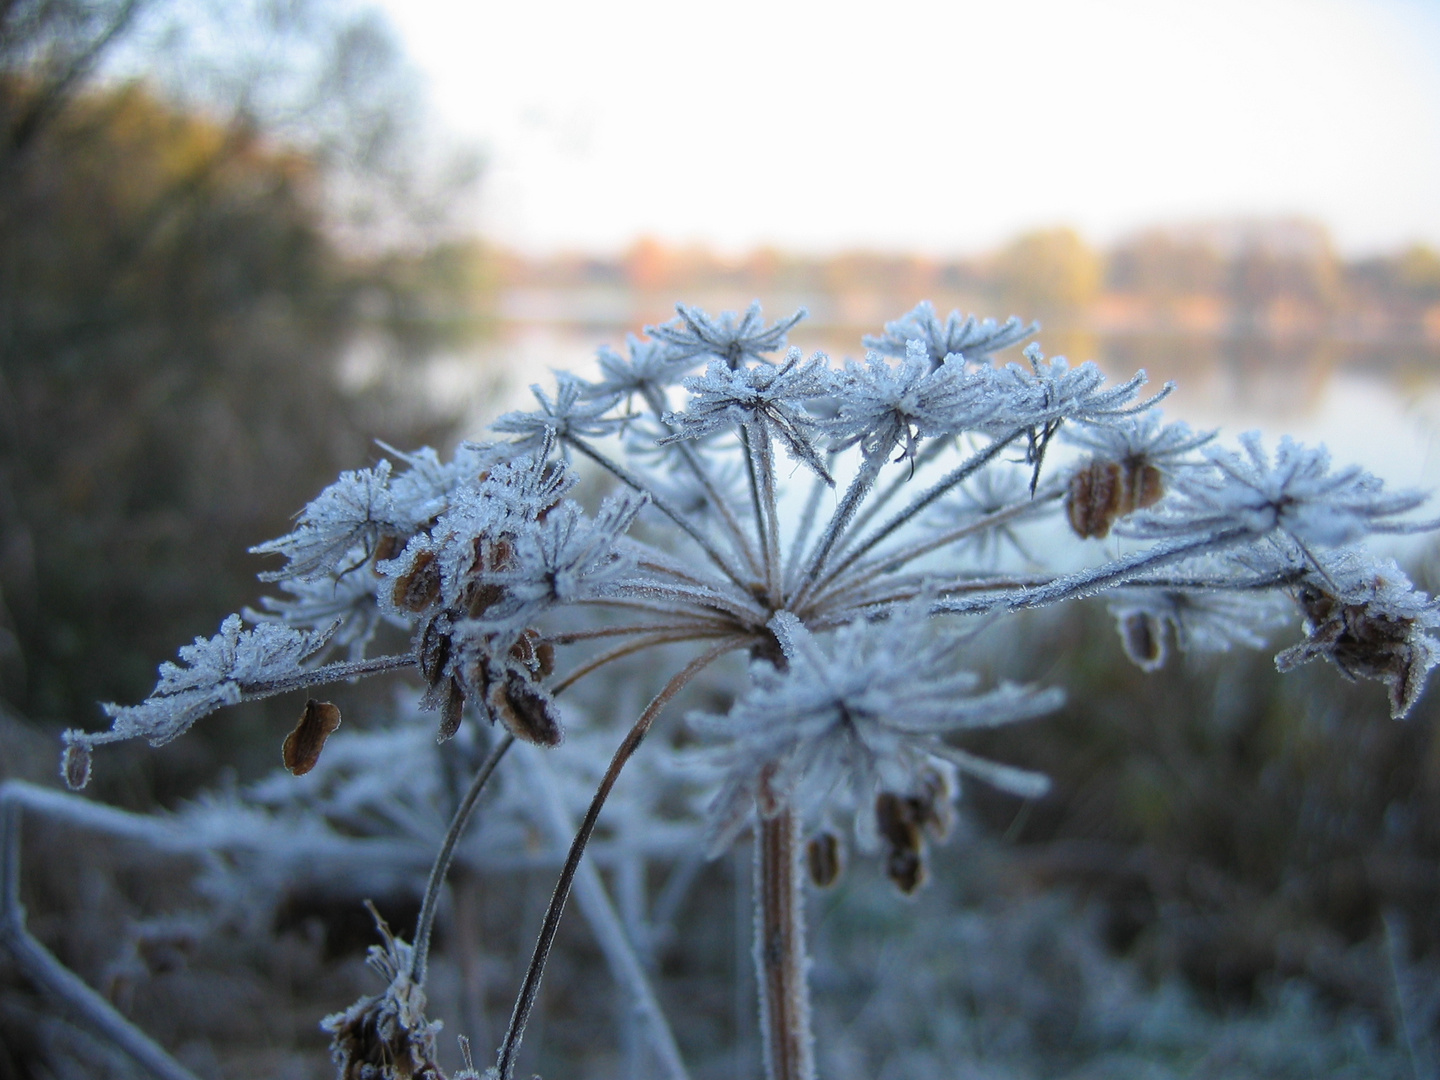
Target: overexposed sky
x=940, y=127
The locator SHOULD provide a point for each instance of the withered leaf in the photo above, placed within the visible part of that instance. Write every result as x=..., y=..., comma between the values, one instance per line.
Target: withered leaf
x=303, y=745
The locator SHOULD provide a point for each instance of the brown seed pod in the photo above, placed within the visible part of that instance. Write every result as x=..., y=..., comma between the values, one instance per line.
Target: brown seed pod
x=895, y=817
x=825, y=859
x=302, y=746
x=1364, y=644
x=434, y=650
x=452, y=710
x=1143, y=637
x=1103, y=491
x=534, y=654
x=906, y=869
x=527, y=712
x=418, y=587
x=1092, y=502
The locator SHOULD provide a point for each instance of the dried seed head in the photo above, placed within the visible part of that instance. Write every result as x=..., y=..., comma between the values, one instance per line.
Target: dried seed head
x=825, y=859
x=75, y=765
x=386, y=1037
x=1364, y=641
x=301, y=749
x=1103, y=491
x=418, y=587
x=525, y=709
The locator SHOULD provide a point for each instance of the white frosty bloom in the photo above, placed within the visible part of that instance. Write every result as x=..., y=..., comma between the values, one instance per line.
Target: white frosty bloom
x=649, y=367
x=1145, y=438
x=730, y=337
x=831, y=731
x=219, y=671
x=770, y=396
x=342, y=524
x=1296, y=494
x=880, y=405
x=1198, y=620
x=968, y=337
x=572, y=411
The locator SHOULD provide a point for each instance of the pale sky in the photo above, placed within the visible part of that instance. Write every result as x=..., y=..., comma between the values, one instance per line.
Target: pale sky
x=939, y=127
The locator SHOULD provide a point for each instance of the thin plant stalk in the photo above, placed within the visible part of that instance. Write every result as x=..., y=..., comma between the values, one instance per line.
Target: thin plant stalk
x=525, y=1001
x=781, y=962
x=420, y=954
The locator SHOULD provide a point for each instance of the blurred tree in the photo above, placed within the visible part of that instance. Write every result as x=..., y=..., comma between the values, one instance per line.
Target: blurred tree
x=1050, y=272
x=179, y=283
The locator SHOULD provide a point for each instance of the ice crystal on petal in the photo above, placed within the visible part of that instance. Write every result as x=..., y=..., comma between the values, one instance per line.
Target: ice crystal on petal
x=966, y=336
x=219, y=671
x=342, y=525
x=1296, y=494
x=880, y=405
x=572, y=411
x=650, y=368
x=727, y=397
x=730, y=338
x=834, y=729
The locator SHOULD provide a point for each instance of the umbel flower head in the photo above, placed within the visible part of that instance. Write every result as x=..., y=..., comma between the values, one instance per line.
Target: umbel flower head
x=842, y=731
x=853, y=606
x=498, y=571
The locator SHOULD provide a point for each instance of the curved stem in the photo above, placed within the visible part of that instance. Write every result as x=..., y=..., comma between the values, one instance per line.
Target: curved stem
x=631, y=647
x=420, y=953
x=525, y=1002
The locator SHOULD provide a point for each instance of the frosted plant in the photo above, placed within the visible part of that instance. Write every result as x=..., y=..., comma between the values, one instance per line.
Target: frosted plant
x=851, y=576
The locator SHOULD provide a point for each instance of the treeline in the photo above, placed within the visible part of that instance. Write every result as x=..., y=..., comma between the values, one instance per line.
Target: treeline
x=1272, y=277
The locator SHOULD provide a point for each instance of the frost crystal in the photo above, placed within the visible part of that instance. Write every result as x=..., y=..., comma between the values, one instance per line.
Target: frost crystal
x=973, y=339
x=220, y=671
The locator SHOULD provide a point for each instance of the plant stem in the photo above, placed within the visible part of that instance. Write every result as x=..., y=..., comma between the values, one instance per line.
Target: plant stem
x=525, y=1001
x=781, y=963
x=420, y=953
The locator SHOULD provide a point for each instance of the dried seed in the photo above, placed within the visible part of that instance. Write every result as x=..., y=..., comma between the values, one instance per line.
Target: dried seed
x=418, y=587
x=906, y=869
x=75, y=765
x=1143, y=637
x=303, y=745
x=824, y=858
x=434, y=650
x=387, y=547
x=526, y=711
x=1092, y=502
x=452, y=710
